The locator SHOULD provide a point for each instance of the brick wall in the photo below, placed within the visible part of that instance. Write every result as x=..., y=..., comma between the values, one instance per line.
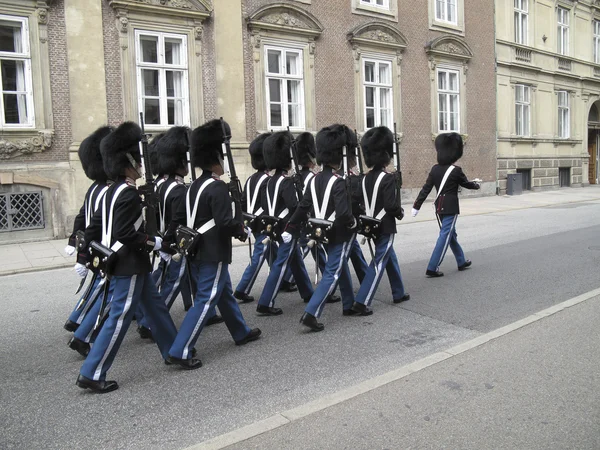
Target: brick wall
x=112, y=66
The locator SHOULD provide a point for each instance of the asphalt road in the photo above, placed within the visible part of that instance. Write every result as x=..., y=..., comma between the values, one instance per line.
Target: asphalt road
x=523, y=261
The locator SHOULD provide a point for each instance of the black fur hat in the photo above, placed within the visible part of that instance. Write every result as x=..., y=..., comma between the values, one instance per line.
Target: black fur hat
x=306, y=147
x=206, y=143
x=172, y=151
x=89, y=154
x=378, y=146
x=276, y=150
x=449, y=147
x=330, y=142
x=154, y=155
x=256, y=152
x=115, y=147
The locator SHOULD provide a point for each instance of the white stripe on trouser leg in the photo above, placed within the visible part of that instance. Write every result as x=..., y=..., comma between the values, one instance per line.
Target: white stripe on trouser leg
x=118, y=328
x=91, y=300
x=336, y=277
x=378, y=271
x=282, y=274
x=88, y=338
x=177, y=281
x=447, y=242
x=261, y=260
x=213, y=293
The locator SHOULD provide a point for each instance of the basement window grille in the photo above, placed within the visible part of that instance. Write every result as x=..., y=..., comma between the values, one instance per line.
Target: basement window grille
x=21, y=211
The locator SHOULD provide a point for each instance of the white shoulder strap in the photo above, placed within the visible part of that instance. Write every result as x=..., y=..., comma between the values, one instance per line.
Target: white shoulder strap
x=87, y=207
x=273, y=204
x=446, y=175
x=107, y=220
x=252, y=204
x=162, y=208
x=191, y=215
x=100, y=197
x=320, y=211
x=309, y=177
x=370, y=206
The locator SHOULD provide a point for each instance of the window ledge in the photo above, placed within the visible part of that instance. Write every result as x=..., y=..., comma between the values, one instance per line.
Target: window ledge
x=18, y=142
x=373, y=11
x=535, y=140
x=447, y=27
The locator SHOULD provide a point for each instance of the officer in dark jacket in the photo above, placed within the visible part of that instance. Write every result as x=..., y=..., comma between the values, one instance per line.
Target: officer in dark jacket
x=281, y=200
x=91, y=161
x=335, y=207
x=208, y=209
x=123, y=232
x=446, y=177
x=382, y=202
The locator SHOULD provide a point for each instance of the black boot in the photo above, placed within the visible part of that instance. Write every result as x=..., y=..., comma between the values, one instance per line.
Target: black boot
x=362, y=309
x=404, y=298
x=334, y=298
x=252, y=336
x=81, y=347
x=100, y=387
x=286, y=286
x=214, y=320
x=268, y=311
x=311, y=322
x=145, y=333
x=434, y=274
x=187, y=364
x=465, y=266
x=350, y=312
x=244, y=298
x=71, y=326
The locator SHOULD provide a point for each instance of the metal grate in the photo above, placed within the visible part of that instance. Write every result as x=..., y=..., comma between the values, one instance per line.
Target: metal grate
x=21, y=211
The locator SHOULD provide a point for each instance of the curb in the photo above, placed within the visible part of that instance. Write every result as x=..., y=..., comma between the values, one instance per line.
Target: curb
x=35, y=269
x=285, y=417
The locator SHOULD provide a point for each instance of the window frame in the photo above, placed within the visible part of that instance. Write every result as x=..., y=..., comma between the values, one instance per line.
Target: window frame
x=596, y=40
x=373, y=4
x=448, y=93
x=564, y=112
x=444, y=19
x=162, y=68
x=521, y=36
x=524, y=104
x=378, y=86
x=563, y=28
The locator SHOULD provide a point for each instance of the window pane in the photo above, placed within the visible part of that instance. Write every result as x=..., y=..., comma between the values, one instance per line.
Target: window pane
x=518, y=122
x=370, y=97
x=560, y=124
x=149, y=46
x=174, y=83
x=150, y=80
x=275, y=111
x=525, y=120
x=519, y=93
x=524, y=29
x=274, y=90
x=292, y=61
x=442, y=122
x=384, y=118
x=293, y=91
x=173, y=51
x=453, y=81
x=384, y=98
x=274, y=61
x=13, y=75
x=454, y=103
x=370, y=118
x=294, y=115
x=151, y=111
x=175, y=111
x=385, y=74
x=15, y=108
x=439, y=10
x=451, y=12
x=442, y=83
x=526, y=94
x=442, y=103
x=453, y=121
x=369, y=72
x=10, y=37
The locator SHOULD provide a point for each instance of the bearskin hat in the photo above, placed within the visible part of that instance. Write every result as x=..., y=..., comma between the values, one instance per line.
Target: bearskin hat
x=89, y=154
x=449, y=147
x=172, y=150
x=306, y=148
x=378, y=146
x=330, y=142
x=115, y=147
x=276, y=150
x=154, y=155
x=206, y=143
x=256, y=152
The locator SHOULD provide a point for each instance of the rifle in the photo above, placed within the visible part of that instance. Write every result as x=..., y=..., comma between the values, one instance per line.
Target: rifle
x=361, y=168
x=235, y=187
x=191, y=169
x=150, y=199
x=297, y=177
x=397, y=167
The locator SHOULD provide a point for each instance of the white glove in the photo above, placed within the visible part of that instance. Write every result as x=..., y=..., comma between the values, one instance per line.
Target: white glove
x=157, y=243
x=81, y=270
x=69, y=250
x=286, y=237
x=414, y=212
x=311, y=243
x=165, y=256
x=249, y=230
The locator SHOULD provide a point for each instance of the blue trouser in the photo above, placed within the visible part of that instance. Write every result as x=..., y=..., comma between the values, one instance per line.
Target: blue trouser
x=128, y=293
x=392, y=269
x=288, y=255
x=446, y=238
x=259, y=256
x=384, y=248
x=320, y=252
x=358, y=260
x=214, y=289
x=78, y=315
x=85, y=332
x=336, y=271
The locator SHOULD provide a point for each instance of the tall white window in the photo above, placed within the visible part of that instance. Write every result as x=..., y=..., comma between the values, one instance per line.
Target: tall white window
x=385, y=4
x=448, y=85
x=564, y=115
x=446, y=11
x=596, y=45
x=377, y=81
x=285, y=87
x=162, y=75
x=16, y=102
x=521, y=21
x=563, y=31
x=522, y=105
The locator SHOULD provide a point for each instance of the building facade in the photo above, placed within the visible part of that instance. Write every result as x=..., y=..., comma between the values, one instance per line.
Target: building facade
x=70, y=66
x=548, y=90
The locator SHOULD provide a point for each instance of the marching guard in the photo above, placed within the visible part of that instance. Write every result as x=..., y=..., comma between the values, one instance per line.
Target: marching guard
x=126, y=247
x=446, y=177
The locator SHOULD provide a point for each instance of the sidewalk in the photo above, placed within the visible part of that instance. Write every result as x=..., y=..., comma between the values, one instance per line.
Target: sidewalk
x=44, y=255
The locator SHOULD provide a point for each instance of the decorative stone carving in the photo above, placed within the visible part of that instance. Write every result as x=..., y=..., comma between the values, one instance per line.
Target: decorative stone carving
x=378, y=34
x=36, y=144
x=198, y=32
x=449, y=46
x=183, y=4
x=194, y=7
x=42, y=14
x=283, y=16
x=122, y=24
x=284, y=19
